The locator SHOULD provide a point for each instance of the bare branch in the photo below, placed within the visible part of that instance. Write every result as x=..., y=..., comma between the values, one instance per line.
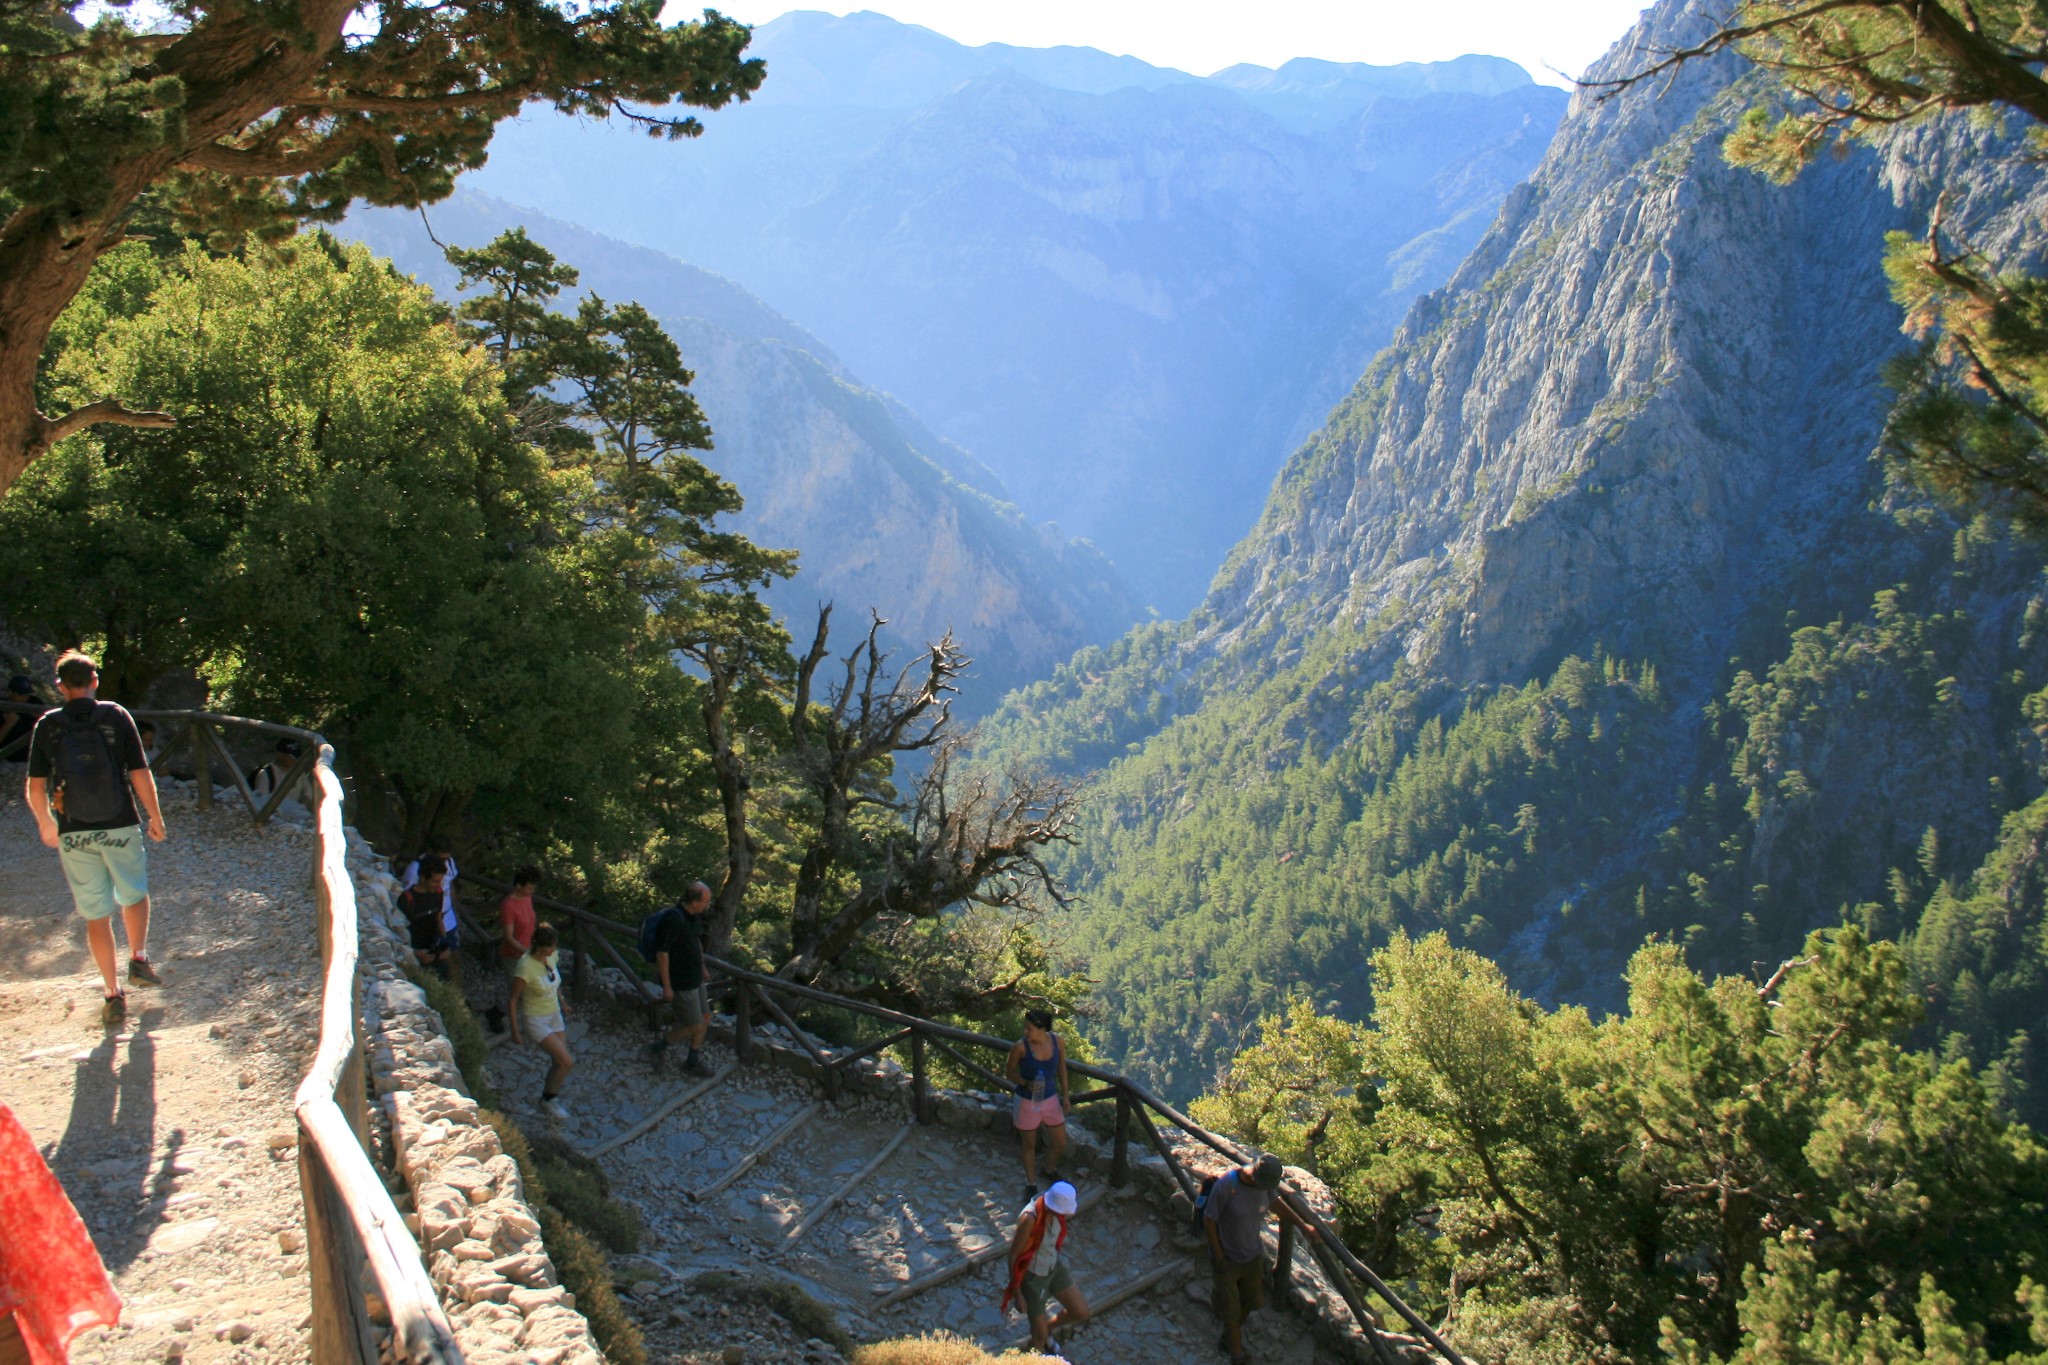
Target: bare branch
x=106, y=412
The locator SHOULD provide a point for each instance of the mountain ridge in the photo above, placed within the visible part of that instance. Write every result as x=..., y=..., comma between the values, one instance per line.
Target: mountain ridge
x=1129, y=298
x=1472, y=669
x=883, y=513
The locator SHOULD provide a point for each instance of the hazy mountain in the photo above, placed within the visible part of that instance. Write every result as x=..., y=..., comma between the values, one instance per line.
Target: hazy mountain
x=883, y=513
x=1129, y=290
x=1587, y=617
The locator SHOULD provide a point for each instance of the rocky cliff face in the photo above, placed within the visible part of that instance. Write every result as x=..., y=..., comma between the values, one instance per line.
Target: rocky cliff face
x=1637, y=425
x=1128, y=289
x=883, y=513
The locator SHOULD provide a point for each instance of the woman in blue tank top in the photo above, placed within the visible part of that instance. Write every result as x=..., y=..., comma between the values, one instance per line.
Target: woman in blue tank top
x=1037, y=1069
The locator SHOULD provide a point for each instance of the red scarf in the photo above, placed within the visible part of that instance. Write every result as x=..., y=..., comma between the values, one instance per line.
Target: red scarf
x=1032, y=1242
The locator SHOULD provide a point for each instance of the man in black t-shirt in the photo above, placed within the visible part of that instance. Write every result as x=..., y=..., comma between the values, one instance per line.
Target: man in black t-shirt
x=89, y=752
x=421, y=904
x=679, y=965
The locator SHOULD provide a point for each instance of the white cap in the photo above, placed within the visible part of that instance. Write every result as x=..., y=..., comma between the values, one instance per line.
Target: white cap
x=1060, y=1198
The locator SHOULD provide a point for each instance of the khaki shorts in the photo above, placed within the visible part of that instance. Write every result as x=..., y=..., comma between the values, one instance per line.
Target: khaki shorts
x=689, y=1008
x=541, y=1026
x=1235, y=1290
x=1037, y=1289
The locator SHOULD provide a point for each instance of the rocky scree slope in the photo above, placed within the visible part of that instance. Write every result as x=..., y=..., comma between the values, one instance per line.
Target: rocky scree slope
x=882, y=513
x=1637, y=425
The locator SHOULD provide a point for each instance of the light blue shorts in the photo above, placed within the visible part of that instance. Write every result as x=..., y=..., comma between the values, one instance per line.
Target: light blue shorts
x=107, y=869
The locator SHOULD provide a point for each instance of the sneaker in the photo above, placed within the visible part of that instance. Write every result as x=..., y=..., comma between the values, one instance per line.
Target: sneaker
x=141, y=973
x=1052, y=1173
x=697, y=1066
x=556, y=1108
x=1030, y=1190
x=114, y=1011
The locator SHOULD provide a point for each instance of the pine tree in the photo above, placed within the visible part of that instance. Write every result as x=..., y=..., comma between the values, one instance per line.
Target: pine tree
x=234, y=117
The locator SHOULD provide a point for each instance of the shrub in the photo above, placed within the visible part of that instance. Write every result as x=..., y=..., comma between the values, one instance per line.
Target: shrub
x=940, y=1348
x=578, y=1187
x=779, y=1297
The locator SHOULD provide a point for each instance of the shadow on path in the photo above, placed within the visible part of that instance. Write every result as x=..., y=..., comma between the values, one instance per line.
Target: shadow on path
x=112, y=1132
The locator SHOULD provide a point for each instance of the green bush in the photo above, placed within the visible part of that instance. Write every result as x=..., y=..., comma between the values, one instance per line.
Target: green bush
x=779, y=1297
x=578, y=1187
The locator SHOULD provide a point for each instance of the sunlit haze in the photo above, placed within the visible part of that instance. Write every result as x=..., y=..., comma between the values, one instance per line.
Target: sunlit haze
x=1553, y=41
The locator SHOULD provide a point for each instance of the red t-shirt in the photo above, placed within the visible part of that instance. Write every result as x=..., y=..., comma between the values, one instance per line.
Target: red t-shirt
x=515, y=913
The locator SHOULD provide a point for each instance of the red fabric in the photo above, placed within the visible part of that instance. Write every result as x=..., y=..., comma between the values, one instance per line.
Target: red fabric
x=1032, y=1241
x=516, y=913
x=51, y=1278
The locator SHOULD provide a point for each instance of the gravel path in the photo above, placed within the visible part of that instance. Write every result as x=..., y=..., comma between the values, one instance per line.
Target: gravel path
x=173, y=1136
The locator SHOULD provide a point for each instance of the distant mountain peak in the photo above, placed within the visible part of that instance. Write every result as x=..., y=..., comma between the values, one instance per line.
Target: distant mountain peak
x=1471, y=74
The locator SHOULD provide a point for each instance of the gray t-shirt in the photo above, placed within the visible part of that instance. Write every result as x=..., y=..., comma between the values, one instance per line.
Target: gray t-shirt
x=1239, y=1212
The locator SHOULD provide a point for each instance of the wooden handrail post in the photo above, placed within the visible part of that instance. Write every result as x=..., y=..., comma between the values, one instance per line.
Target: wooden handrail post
x=579, y=979
x=920, y=1086
x=202, y=765
x=1120, y=1151
x=743, y=1021
x=1283, y=1261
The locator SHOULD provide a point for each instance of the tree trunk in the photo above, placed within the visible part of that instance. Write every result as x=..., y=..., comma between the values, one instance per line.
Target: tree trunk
x=236, y=67
x=733, y=784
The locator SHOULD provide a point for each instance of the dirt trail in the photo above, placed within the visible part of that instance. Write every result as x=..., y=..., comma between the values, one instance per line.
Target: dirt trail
x=172, y=1136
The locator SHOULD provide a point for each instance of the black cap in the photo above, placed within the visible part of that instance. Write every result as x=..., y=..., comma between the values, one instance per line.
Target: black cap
x=1266, y=1173
x=21, y=685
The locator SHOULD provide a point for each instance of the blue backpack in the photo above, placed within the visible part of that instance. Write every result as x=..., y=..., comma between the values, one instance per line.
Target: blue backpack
x=650, y=930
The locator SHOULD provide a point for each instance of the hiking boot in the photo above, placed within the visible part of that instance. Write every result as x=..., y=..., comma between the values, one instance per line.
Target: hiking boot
x=697, y=1066
x=1030, y=1190
x=114, y=1011
x=142, y=974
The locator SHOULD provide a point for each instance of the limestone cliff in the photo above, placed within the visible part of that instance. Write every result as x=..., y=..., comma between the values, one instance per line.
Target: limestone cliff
x=1636, y=425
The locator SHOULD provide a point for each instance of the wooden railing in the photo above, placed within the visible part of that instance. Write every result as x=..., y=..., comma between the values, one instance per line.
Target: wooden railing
x=1138, y=1110
x=362, y=1262
x=198, y=738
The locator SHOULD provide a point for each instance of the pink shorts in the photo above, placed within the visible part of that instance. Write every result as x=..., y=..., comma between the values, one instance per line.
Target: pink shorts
x=1031, y=1113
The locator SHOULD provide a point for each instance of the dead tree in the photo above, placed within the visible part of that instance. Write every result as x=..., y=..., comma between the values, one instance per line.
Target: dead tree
x=961, y=836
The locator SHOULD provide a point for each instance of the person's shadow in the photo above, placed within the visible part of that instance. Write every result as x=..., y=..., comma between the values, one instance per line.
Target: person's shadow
x=105, y=1156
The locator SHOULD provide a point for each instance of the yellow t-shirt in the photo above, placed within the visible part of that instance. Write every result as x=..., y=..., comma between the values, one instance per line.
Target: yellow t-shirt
x=539, y=999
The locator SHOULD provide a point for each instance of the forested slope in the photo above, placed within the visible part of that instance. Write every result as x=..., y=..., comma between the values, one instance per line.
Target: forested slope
x=883, y=513
x=1588, y=617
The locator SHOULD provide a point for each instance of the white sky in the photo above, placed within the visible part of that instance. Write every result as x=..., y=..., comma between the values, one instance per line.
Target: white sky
x=1547, y=37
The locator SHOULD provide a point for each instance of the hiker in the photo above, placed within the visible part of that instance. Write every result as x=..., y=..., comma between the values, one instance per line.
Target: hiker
x=515, y=929
x=1037, y=1269
x=420, y=903
x=20, y=725
x=450, y=926
x=147, y=730
x=1037, y=1071
x=536, y=1012
x=679, y=966
x=1234, y=1220
x=90, y=753
x=265, y=779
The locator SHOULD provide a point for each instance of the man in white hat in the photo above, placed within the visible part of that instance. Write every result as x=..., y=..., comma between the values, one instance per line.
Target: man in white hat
x=1038, y=1271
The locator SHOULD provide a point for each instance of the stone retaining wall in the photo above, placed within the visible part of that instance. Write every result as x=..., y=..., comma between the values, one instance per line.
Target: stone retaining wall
x=481, y=1240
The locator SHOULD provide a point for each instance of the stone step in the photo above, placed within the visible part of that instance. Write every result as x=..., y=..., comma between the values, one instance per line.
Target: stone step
x=941, y=1197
